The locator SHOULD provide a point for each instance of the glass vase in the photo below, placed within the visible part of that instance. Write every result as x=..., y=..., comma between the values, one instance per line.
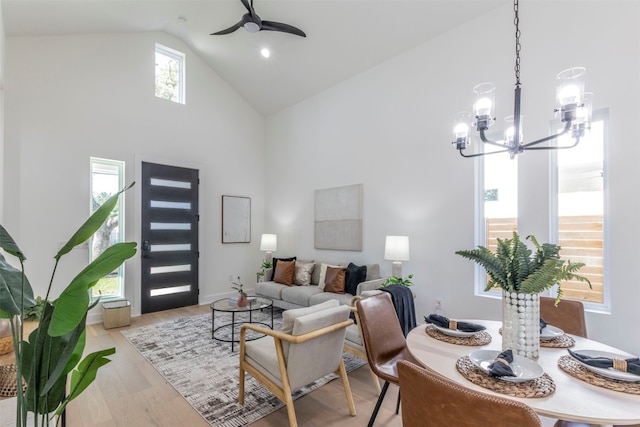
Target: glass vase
x=521, y=323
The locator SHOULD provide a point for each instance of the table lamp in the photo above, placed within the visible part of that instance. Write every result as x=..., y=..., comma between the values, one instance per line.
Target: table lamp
x=269, y=243
x=396, y=249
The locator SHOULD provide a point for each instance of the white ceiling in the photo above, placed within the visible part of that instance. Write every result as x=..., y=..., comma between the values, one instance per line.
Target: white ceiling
x=344, y=37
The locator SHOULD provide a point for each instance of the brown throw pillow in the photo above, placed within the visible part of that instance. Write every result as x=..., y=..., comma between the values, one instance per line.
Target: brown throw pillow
x=334, y=280
x=285, y=271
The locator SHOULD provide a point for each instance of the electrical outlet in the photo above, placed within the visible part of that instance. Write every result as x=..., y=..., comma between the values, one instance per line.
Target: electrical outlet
x=438, y=303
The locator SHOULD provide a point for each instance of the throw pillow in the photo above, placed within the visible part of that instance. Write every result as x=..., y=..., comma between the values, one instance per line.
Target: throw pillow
x=354, y=275
x=274, y=262
x=285, y=270
x=303, y=273
x=334, y=280
x=323, y=273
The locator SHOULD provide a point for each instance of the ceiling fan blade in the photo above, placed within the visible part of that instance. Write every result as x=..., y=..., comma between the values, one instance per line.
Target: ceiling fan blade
x=249, y=8
x=228, y=30
x=279, y=26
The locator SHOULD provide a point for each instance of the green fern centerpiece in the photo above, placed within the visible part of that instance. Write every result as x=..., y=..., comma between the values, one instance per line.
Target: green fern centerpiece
x=516, y=268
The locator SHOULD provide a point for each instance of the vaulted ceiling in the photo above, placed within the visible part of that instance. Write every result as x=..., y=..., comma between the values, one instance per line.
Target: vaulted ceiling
x=344, y=37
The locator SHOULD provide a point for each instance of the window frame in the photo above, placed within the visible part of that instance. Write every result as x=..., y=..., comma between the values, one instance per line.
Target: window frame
x=603, y=116
x=181, y=58
x=119, y=166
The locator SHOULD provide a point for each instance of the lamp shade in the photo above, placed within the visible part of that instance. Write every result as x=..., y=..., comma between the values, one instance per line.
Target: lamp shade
x=269, y=243
x=396, y=248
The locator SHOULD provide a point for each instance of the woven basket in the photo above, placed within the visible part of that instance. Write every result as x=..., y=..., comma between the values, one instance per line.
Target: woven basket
x=6, y=345
x=8, y=383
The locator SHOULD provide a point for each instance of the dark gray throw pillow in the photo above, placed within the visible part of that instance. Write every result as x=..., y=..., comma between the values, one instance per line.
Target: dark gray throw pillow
x=354, y=276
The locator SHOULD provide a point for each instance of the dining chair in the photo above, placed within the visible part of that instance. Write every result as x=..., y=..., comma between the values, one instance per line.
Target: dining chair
x=567, y=315
x=384, y=342
x=308, y=347
x=353, y=343
x=431, y=400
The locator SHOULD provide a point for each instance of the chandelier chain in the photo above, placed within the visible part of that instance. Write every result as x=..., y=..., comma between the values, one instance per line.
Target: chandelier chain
x=516, y=22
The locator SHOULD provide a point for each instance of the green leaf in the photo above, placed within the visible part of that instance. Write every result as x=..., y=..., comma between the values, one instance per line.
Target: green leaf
x=92, y=224
x=12, y=283
x=9, y=245
x=86, y=374
x=73, y=302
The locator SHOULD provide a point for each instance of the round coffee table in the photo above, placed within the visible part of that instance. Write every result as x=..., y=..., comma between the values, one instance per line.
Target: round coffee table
x=226, y=306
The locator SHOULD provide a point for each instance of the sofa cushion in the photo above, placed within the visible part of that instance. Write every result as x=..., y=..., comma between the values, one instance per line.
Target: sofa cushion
x=299, y=295
x=355, y=274
x=345, y=299
x=353, y=336
x=271, y=290
x=284, y=272
x=334, y=280
x=323, y=273
x=373, y=271
x=303, y=273
x=275, y=262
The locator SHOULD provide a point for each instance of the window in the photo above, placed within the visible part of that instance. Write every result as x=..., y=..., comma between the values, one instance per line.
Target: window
x=496, y=204
x=579, y=215
x=107, y=178
x=170, y=74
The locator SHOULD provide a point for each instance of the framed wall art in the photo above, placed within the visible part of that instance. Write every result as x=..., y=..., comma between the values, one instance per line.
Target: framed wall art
x=338, y=218
x=236, y=219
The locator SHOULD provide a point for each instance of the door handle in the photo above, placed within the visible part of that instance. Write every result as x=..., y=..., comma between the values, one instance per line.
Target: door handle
x=146, y=248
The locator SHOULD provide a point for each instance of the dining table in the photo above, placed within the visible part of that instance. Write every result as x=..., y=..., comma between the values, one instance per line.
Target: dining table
x=573, y=399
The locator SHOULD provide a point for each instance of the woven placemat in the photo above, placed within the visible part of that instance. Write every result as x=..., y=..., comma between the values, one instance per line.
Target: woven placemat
x=479, y=338
x=8, y=381
x=563, y=341
x=539, y=387
x=576, y=370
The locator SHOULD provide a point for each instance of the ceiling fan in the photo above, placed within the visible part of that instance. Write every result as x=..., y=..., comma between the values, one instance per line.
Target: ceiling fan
x=252, y=23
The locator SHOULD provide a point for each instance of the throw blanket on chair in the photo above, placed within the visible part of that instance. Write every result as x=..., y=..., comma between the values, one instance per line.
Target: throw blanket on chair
x=402, y=298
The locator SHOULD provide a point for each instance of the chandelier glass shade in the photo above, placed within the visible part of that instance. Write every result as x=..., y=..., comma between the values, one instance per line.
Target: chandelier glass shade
x=573, y=107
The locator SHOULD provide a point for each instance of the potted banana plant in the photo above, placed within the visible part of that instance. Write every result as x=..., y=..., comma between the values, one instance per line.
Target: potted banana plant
x=49, y=359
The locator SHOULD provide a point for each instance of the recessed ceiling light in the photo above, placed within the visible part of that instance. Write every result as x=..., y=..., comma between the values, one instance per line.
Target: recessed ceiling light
x=265, y=52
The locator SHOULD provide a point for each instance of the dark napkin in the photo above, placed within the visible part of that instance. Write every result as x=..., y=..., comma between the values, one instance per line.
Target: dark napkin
x=633, y=363
x=443, y=322
x=543, y=324
x=501, y=369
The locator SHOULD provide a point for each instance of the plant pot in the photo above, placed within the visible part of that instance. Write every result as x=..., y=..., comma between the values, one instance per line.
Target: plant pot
x=521, y=323
x=242, y=301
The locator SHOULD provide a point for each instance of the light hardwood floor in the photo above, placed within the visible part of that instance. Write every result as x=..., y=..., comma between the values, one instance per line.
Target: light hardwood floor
x=130, y=392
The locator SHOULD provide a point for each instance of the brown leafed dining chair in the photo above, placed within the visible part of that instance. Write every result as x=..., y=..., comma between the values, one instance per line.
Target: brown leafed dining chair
x=308, y=347
x=431, y=400
x=568, y=315
x=384, y=342
x=353, y=343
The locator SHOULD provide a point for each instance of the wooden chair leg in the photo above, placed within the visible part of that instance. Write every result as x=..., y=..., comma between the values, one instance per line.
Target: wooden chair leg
x=293, y=422
x=241, y=385
x=378, y=403
x=347, y=388
x=376, y=381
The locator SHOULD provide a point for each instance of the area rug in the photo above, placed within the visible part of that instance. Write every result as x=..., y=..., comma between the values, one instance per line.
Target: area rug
x=205, y=371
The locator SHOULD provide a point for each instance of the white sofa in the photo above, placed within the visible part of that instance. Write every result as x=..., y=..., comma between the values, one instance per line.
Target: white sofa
x=296, y=296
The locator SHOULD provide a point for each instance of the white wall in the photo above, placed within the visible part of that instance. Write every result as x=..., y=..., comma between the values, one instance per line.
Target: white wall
x=2, y=72
x=72, y=97
x=390, y=129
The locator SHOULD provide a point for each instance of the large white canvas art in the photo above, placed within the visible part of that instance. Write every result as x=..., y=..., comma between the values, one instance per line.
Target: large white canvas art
x=338, y=218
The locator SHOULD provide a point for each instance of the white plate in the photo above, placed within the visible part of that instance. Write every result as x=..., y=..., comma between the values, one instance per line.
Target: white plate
x=550, y=332
x=524, y=369
x=608, y=372
x=454, y=332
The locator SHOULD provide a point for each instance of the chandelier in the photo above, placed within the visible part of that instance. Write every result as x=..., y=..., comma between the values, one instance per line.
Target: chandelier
x=573, y=108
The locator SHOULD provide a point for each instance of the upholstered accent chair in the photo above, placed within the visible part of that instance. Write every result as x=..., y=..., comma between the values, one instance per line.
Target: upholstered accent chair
x=431, y=400
x=384, y=341
x=353, y=343
x=308, y=347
